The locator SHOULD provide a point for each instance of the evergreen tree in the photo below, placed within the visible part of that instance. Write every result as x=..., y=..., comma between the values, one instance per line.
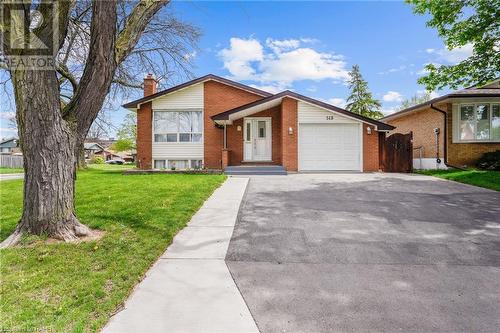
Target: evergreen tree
x=360, y=100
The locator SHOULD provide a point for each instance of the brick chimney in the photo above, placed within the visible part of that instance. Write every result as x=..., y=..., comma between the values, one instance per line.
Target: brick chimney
x=149, y=85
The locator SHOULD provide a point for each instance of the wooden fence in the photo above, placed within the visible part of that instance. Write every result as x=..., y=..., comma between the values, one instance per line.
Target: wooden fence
x=11, y=161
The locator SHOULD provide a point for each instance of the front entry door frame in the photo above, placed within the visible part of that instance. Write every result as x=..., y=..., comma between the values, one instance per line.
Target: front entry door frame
x=257, y=141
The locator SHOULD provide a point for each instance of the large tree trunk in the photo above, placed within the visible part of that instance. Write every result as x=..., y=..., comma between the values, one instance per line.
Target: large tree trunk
x=48, y=143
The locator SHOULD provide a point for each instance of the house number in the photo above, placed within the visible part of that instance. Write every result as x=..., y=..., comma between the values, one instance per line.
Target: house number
x=329, y=117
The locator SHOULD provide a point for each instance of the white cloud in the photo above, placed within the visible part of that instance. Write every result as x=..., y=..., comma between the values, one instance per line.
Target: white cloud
x=388, y=111
x=392, y=96
x=7, y=115
x=453, y=56
x=239, y=56
x=281, y=62
x=393, y=70
x=432, y=94
x=339, y=102
x=273, y=88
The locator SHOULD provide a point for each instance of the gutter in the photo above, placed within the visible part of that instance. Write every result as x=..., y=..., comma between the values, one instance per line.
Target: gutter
x=445, y=134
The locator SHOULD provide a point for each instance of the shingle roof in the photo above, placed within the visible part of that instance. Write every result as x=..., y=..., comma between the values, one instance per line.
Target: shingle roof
x=464, y=93
x=134, y=104
x=380, y=125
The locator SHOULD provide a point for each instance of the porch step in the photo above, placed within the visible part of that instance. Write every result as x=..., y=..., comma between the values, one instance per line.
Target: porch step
x=255, y=170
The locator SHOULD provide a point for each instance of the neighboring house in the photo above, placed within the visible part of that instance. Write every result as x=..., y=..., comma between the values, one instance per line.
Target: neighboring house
x=92, y=149
x=463, y=125
x=10, y=146
x=215, y=122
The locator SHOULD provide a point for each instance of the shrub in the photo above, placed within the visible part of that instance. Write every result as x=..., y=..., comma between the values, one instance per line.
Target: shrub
x=98, y=160
x=490, y=161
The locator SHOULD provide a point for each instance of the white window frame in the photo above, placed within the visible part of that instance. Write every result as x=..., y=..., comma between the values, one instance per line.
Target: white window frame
x=178, y=133
x=458, y=119
x=189, y=159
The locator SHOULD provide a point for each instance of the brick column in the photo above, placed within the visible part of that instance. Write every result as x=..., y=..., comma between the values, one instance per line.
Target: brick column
x=226, y=157
x=144, y=134
x=289, y=141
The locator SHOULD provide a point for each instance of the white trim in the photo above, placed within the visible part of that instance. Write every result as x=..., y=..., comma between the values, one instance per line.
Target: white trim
x=456, y=114
x=361, y=146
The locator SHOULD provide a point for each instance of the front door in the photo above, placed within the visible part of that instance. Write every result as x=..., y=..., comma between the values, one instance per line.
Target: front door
x=257, y=139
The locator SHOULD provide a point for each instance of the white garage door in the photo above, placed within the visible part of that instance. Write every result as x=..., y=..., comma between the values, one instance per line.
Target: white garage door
x=329, y=147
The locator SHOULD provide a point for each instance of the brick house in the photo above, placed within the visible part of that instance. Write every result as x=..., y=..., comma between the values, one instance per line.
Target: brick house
x=454, y=129
x=214, y=122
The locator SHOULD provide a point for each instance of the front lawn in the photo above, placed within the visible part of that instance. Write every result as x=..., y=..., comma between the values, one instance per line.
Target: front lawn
x=4, y=170
x=76, y=287
x=486, y=179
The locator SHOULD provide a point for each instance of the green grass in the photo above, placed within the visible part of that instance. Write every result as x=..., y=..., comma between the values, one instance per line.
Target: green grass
x=486, y=179
x=76, y=287
x=4, y=170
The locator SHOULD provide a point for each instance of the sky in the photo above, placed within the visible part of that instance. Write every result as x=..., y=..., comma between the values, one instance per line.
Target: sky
x=309, y=47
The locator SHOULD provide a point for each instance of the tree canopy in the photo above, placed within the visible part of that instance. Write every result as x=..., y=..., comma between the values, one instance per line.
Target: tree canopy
x=461, y=23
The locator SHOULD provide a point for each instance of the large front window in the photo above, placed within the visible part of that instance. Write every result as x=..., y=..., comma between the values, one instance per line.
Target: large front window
x=479, y=122
x=177, y=126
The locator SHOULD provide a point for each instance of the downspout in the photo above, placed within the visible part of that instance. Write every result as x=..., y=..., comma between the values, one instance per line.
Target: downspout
x=445, y=140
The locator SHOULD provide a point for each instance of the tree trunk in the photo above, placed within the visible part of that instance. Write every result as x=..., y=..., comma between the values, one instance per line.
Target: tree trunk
x=48, y=143
x=80, y=157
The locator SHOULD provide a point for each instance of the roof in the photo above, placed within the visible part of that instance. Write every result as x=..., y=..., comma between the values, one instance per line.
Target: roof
x=10, y=143
x=90, y=145
x=135, y=104
x=472, y=92
x=380, y=125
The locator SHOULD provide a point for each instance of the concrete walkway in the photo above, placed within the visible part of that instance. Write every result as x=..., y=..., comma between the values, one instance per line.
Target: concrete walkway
x=189, y=289
x=10, y=176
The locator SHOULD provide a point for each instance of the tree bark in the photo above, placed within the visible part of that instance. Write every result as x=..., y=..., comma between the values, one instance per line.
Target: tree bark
x=48, y=143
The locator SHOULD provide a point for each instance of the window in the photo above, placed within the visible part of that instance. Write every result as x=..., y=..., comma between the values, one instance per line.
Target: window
x=177, y=126
x=479, y=122
x=248, y=131
x=178, y=164
x=262, y=128
x=159, y=164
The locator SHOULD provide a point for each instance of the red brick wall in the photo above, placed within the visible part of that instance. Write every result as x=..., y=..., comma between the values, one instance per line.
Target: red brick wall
x=218, y=98
x=235, y=137
x=289, y=142
x=422, y=124
x=370, y=149
x=144, y=136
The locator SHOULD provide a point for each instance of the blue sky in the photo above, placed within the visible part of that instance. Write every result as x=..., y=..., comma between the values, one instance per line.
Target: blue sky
x=308, y=47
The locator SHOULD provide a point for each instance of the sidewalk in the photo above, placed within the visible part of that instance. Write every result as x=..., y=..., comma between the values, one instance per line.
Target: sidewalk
x=9, y=176
x=189, y=289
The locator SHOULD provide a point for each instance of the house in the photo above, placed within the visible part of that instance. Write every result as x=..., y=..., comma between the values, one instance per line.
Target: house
x=452, y=130
x=214, y=122
x=93, y=149
x=10, y=146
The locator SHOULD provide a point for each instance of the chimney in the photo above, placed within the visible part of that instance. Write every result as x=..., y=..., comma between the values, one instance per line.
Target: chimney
x=149, y=85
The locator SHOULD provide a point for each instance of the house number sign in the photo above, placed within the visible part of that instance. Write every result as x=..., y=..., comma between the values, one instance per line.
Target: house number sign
x=330, y=118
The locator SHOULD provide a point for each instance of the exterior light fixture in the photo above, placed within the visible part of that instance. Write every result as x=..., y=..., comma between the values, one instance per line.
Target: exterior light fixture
x=368, y=130
x=238, y=128
x=290, y=130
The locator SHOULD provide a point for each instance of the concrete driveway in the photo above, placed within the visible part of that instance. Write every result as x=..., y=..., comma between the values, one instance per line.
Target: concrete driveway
x=368, y=253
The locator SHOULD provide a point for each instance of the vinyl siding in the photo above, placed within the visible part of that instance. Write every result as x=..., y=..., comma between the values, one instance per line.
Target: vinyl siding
x=187, y=99
x=191, y=97
x=308, y=113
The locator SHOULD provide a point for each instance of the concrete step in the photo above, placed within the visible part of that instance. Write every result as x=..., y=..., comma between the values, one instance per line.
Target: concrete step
x=255, y=170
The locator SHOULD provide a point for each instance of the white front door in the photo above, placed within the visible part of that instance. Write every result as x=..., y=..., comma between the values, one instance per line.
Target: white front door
x=257, y=139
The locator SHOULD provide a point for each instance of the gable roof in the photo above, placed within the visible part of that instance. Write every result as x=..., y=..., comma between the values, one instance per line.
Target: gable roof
x=135, y=104
x=471, y=92
x=10, y=143
x=287, y=93
x=90, y=146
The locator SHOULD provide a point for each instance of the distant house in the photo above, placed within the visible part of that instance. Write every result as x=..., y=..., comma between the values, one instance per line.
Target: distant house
x=10, y=146
x=92, y=149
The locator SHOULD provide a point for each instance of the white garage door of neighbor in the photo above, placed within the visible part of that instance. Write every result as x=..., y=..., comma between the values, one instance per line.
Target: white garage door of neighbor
x=329, y=147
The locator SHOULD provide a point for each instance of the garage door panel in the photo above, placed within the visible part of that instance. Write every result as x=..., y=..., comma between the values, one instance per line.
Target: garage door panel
x=329, y=147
